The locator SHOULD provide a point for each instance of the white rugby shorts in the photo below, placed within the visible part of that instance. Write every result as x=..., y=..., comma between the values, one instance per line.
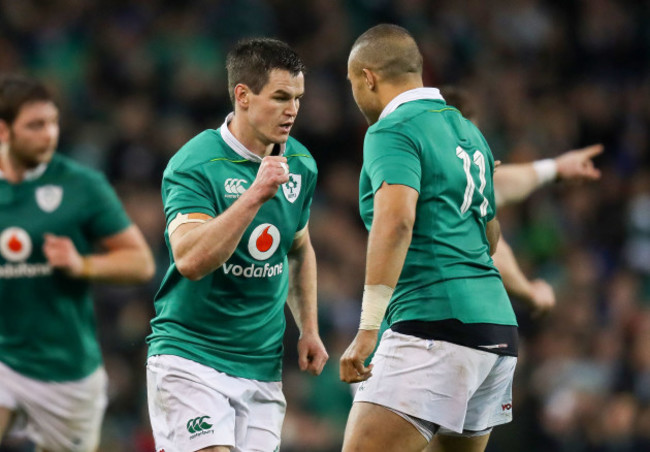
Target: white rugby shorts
x=56, y=416
x=192, y=406
x=451, y=386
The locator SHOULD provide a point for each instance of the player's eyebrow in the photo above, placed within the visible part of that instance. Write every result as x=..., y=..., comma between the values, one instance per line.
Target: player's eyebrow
x=286, y=93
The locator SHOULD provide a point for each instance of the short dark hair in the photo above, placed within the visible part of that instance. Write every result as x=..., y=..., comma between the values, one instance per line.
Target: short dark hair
x=18, y=90
x=389, y=50
x=251, y=61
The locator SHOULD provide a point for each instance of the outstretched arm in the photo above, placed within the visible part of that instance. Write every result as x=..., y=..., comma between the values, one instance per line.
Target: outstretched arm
x=312, y=355
x=515, y=182
x=388, y=243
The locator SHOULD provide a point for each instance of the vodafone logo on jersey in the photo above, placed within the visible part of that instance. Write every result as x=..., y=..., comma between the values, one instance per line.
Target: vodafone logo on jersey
x=264, y=241
x=15, y=244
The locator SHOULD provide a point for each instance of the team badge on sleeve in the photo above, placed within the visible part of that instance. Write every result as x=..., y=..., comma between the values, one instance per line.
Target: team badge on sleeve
x=292, y=188
x=49, y=197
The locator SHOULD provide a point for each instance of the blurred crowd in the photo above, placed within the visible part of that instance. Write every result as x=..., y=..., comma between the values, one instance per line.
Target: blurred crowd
x=135, y=79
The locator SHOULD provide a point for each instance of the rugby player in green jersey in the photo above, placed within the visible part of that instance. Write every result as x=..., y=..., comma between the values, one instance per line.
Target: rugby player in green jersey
x=237, y=201
x=446, y=364
x=53, y=212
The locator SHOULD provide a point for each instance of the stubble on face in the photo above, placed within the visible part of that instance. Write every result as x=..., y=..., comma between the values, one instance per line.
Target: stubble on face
x=34, y=134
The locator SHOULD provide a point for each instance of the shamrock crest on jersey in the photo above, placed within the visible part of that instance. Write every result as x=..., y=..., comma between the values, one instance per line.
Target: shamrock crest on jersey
x=291, y=189
x=49, y=197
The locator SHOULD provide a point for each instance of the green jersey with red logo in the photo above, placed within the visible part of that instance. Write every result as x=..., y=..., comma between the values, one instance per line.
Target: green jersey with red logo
x=232, y=319
x=47, y=324
x=448, y=273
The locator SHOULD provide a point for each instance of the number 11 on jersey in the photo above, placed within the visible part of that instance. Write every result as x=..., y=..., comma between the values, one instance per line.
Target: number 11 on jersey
x=479, y=161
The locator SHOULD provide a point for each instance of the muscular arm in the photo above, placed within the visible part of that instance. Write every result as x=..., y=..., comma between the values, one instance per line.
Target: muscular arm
x=201, y=248
x=390, y=233
x=302, y=302
x=388, y=243
x=515, y=182
x=127, y=258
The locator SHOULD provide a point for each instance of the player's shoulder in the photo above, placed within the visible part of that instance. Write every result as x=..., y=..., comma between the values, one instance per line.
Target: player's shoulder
x=65, y=168
x=408, y=116
x=202, y=148
x=297, y=154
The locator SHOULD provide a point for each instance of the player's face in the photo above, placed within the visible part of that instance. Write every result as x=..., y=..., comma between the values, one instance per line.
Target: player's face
x=273, y=111
x=34, y=134
x=366, y=100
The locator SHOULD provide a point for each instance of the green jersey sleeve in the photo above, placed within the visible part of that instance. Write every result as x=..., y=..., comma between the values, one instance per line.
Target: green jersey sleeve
x=186, y=192
x=392, y=157
x=106, y=215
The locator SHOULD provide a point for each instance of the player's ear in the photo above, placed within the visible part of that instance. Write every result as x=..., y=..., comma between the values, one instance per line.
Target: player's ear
x=370, y=78
x=242, y=93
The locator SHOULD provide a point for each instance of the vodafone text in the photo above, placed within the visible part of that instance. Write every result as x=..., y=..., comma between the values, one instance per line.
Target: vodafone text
x=253, y=271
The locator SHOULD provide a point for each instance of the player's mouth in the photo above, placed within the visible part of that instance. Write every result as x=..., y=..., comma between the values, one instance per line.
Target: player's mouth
x=285, y=127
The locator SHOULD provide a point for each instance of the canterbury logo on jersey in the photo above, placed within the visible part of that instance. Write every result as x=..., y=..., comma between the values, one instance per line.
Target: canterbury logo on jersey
x=16, y=247
x=234, y=187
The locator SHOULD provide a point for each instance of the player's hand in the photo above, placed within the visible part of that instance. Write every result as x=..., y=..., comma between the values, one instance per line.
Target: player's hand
x=62, y=254
x=352, y=369
x=542, y=297
x=312, y=355
x=272, y=173
x=577, y=165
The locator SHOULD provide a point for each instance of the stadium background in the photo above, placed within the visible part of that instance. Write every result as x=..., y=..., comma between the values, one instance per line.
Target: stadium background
x=136, y=79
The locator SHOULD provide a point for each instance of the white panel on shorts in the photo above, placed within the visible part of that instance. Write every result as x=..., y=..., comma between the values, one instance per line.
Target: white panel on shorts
x=57, y=416
x=192, y=406
x=455, y=387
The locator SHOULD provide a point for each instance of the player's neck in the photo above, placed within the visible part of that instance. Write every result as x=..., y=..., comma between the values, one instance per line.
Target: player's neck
x=11, y=169
x=388, y=91
x=246, y=135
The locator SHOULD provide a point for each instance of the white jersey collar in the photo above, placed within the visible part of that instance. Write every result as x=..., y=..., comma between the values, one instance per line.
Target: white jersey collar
x=237, y=146
x=408, y=96
x=29, y=175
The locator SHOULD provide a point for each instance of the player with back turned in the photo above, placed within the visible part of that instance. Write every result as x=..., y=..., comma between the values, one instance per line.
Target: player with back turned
x=446, y=364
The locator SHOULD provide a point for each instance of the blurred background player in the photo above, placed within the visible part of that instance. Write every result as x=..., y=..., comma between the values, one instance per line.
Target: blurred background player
x=53, y=212
x=237, y=201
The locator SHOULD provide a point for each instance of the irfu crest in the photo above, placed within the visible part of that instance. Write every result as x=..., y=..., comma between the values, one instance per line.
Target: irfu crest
x=292, y=188
x=48, y=197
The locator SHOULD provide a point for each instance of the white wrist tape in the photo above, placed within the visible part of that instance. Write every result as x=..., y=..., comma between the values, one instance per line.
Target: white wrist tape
x=373, y=307
x=546, y=170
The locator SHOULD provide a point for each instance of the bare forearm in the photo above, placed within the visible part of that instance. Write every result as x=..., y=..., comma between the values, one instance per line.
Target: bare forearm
x=302, y=290
x=388, y=244
x=124, y=266
x=514, y=280
x=514, y=182
x=204, y=248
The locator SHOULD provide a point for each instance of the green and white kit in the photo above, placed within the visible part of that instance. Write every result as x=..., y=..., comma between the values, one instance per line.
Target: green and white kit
x=232, y=320
x=47, y=324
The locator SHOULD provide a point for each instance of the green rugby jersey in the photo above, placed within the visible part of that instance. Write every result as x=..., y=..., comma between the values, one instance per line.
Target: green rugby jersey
x=232, y=319
x=47, y=324
x=448, y=273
